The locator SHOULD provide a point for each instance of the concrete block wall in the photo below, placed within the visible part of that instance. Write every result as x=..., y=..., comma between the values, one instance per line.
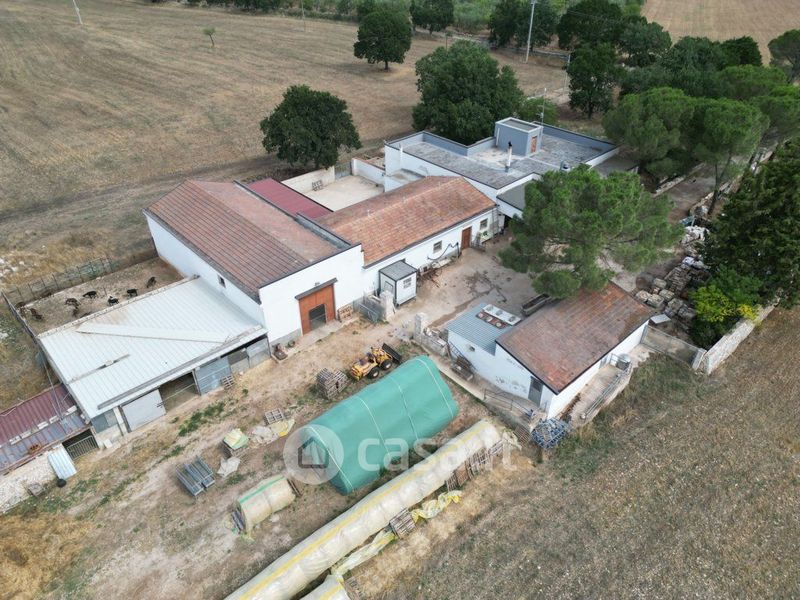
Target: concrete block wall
x=729, y=342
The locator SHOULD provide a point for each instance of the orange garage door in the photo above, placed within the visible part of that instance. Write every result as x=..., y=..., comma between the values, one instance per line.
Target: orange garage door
x=316, y=308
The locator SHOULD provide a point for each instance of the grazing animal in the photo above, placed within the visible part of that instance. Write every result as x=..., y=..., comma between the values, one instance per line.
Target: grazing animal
x=22, y=310
x=132, y=292
x=75, y=312
x=36, y=314
x=151, y=282
x=72, y=302
x=91, y=295
x=112, y=300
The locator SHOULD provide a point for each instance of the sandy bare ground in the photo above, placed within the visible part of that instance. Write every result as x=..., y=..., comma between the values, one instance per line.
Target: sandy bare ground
x=725, y=19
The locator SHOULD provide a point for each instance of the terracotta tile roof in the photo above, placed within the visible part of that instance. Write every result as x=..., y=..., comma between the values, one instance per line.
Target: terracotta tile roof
x=560, y=341
x=287, y=199
x=245, y=238
x=388, y=223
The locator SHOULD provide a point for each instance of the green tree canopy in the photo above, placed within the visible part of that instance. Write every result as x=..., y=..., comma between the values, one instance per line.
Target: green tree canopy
x=693, y=64
x=742, y=51
x=748, y=81
x=590, y=22
x=463, y=92
x=785, y=51
x=575, y=223
x=726, y=298
x=758, y=234
x=654, y=126
x=383, y=36
x=782, y=107
x=725, y=132
x=545, y=22
x=538, y=109
x=505, y=18
x=644, y=43
x=433, y=15
x=593, y=73
x=309, y=127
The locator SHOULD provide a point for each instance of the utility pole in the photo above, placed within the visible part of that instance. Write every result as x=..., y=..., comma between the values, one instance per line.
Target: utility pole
x=530, y=29
x=77, y=12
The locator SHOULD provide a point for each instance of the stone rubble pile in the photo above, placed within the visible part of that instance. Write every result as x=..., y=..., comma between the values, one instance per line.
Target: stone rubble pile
x=670, y=295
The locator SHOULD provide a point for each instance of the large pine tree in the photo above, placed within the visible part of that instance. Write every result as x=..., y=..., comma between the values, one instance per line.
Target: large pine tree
x=758, y=234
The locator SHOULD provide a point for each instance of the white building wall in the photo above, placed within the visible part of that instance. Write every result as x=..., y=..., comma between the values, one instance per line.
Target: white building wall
x=566, y=396
x=281, y=307
x=422, y=254
x=188, y=264
x=499, y=368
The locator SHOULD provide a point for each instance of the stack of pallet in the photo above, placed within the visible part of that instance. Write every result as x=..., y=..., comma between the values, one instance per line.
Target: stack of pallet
x=331, y=383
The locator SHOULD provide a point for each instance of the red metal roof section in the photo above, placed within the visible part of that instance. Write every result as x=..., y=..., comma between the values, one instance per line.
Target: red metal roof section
x=287, y=199
x=36, y=424
x=561, y=340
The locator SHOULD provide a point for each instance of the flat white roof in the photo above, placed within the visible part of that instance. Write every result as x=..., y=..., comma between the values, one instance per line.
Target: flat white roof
x=345, y=192
x=126, y=350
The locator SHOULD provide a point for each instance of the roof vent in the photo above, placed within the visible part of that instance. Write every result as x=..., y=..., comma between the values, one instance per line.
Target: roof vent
x=500, y=315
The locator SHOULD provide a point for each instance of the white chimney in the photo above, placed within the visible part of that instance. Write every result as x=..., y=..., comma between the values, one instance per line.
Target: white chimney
x=508, y=157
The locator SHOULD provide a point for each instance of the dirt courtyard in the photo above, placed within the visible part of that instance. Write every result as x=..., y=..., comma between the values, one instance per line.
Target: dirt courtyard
x=124, y=526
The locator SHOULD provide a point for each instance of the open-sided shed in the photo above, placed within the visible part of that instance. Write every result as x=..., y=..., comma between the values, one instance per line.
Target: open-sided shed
x=385, y=419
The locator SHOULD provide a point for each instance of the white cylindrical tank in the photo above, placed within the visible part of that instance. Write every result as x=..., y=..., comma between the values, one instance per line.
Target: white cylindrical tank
x=304, y=563
x=267, y=497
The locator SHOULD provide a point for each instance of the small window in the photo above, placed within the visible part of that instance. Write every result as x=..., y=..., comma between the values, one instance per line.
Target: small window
x=407, y=282
x=221, y=281
x=484, y=223
x=437, y=247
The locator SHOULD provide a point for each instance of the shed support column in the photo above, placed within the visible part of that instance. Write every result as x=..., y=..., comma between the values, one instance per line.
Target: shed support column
x=120, y=421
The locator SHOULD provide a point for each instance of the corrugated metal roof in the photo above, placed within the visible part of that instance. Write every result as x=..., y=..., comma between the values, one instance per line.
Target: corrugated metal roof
x=61, y=462
x=36, y=424
x=398, y=270
x=125, y=351
x=287, y=199
x=476, y=330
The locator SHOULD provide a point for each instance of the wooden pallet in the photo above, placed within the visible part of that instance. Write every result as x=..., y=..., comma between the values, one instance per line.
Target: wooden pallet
x=478, y=462
x=273, y=416
x=228, y=382
x=459, y=477
x=352, y=589
x=402, y=523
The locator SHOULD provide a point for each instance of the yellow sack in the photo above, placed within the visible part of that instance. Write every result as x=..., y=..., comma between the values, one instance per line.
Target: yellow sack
x=351, y=561
x=282, y=428
x=431, y=508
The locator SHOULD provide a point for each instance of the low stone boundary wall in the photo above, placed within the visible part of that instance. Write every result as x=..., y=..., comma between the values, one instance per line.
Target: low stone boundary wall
x=729, y=342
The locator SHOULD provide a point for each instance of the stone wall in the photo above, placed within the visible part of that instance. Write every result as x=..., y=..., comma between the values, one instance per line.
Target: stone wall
x=729, y=342
x=13, y=485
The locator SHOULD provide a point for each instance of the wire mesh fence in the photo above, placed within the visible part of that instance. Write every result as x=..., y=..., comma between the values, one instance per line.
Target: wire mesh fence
x=47, y=285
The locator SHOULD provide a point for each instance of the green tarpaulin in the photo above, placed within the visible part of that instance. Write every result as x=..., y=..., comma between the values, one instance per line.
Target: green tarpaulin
x=353, y=439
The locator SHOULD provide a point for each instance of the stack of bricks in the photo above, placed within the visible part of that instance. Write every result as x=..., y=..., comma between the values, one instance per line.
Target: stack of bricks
x=331, y=383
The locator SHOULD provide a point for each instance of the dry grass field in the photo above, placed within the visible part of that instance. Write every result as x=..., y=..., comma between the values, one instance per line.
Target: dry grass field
x=686, y=486
x=95, y=121
x=724, y=19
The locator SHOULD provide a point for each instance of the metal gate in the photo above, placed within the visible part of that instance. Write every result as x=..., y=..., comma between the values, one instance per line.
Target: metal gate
x=80, y=447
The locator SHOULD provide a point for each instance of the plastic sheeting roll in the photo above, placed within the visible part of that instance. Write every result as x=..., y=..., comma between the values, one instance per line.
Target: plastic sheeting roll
x=260, y=501
x=296, y=569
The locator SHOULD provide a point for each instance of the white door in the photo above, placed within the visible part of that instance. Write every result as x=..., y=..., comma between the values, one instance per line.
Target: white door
x=143, y=410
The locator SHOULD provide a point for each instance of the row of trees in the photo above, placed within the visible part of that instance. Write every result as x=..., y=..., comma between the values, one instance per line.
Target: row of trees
x=753, y=249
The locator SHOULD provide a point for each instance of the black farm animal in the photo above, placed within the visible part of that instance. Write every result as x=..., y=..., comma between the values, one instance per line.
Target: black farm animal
x=112, y=300
x=91, y=295
x=151, y=282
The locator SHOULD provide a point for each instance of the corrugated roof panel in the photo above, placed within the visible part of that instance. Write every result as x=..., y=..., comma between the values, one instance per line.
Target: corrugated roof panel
x=34, y=425
x=287, y=199
x=137, y=343
x=61, y=462
x=476, y=330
